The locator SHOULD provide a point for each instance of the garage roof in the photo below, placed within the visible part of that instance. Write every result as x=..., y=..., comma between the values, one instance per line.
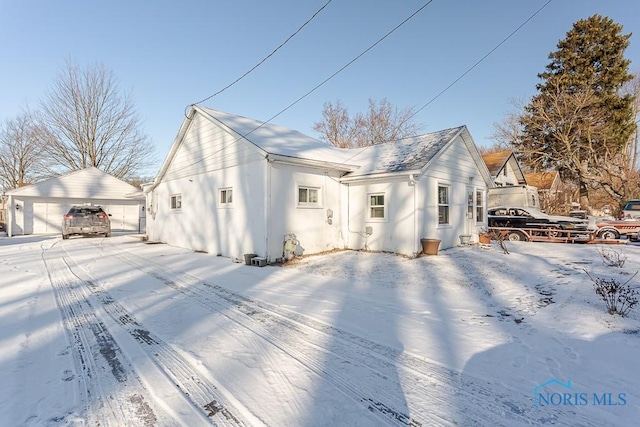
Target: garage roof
x=89, y=183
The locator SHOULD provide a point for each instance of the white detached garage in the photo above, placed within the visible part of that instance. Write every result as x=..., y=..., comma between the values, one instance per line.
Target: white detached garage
x=39, y=208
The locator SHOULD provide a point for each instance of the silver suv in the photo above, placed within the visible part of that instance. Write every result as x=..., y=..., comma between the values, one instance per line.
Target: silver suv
x=631, y=210
x=86, y=220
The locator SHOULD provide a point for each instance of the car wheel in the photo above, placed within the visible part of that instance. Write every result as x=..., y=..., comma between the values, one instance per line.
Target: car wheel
x=65, y=236
x=608, y=234
x=107, y=234
x=553, y=232
x=516, y=236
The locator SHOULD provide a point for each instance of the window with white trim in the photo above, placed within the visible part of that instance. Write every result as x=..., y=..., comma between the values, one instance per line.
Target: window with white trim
x=377, y=207
x=443, y=204
x=176, y=201
x=308, y=196
x=226, y=197
x=479, y=206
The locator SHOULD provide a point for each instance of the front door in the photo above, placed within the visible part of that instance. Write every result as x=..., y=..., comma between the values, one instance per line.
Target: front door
x=470, y=217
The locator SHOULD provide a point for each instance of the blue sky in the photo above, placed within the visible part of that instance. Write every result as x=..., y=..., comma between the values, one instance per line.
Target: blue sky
x=172, y=54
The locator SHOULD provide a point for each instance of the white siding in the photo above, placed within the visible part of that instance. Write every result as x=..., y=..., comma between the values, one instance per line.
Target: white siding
x=209, y=159
x=207, y=147
x=454, y=167
x=396, y=232
x=310, y=224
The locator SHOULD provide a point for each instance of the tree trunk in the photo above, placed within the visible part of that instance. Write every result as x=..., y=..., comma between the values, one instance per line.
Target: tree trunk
x=584, y=195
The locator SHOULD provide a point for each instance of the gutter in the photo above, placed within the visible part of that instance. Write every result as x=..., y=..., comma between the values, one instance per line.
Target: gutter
x=411, y=175
x=318, y=164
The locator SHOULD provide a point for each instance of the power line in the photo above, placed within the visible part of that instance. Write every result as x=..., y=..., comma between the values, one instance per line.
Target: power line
x=394, y=29
x=482, y=59
x=266, y=57
x=350, y=62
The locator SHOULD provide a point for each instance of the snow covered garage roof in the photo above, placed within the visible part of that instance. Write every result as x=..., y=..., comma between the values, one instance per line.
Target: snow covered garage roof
x=89, y=183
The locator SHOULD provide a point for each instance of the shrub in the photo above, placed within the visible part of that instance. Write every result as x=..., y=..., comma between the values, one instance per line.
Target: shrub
x=612, y=258
x=618, y=298
x=499, y=237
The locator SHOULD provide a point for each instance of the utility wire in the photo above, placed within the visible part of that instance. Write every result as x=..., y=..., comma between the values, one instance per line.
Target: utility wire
x=482, y=59
x=367, y=50
x=350, y=62
x=244, y=136
x=266, y=57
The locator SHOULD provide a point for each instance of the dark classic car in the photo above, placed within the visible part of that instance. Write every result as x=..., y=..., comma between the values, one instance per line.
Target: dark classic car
x=527, y=218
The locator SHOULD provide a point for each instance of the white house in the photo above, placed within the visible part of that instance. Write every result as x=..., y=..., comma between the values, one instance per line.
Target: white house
x=504, y=168
x=233, y=185
x=39, y=208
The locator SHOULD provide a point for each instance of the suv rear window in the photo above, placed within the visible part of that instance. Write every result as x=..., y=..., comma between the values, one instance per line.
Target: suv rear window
x=86, y=211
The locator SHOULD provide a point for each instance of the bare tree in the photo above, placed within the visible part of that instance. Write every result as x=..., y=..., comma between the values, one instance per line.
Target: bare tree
x=382, y=123
x=86, y=121
x=336, y=126
x=21, y=156
x=505, y=134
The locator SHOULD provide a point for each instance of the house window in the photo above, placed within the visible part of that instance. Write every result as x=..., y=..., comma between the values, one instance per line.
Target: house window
x=176, y=201
x=377, y=206
x=443, y=204
x=226, y=196
x=479, y=206
x=309, y=196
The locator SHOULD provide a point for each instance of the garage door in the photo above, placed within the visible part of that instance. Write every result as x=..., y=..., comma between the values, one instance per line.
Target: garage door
x=124, y=217
x=47, y=217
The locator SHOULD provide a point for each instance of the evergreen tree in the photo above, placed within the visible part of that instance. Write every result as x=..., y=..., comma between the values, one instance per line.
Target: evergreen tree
x=579, y=123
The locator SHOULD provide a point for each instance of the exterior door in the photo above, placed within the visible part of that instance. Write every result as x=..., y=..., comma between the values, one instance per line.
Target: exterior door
x=470, y=216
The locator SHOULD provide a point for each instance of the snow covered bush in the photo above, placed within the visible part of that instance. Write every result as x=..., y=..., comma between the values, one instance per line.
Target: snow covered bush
x=612, y=258
x=618, y=298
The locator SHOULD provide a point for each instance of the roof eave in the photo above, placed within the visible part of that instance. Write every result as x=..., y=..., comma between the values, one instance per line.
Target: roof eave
x=316, y=164
x=380, y=176
x=177, y=142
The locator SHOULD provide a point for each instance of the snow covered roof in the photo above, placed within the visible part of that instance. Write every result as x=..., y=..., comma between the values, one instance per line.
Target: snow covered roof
x=405, y=155
x=85, y=183
x=281, y=141
x=409, y=155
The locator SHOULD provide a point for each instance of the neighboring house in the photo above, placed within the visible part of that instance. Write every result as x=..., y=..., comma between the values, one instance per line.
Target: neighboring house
x=552, y=193
x=231, y=185
x=39, y=208
x=504, y=168
x=510, y=183
x=3, y=212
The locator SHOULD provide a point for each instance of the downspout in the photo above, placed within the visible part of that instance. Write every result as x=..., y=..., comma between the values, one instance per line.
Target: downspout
x=10, y=216
x=268, y=210
x=412, y=181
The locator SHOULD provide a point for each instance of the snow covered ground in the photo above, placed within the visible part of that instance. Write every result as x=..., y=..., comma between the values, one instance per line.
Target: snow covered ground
x=117, y=332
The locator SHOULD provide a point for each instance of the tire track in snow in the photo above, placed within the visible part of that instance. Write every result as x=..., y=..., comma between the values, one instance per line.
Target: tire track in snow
x=382, y=395
x=482, y=402
x=104, y=375
x=199, y=390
